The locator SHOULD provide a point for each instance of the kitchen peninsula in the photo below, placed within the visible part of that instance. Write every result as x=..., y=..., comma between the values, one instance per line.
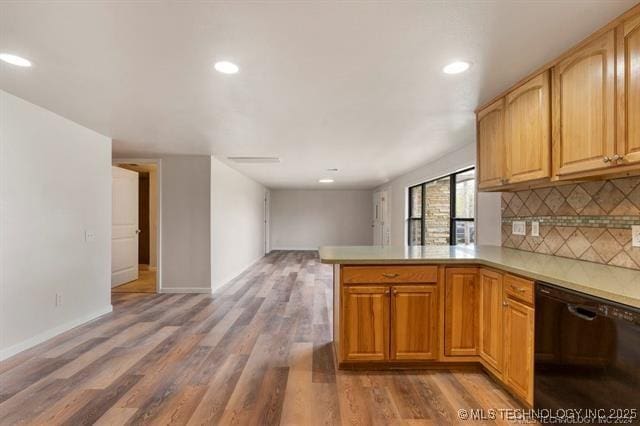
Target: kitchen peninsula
x=408, y=307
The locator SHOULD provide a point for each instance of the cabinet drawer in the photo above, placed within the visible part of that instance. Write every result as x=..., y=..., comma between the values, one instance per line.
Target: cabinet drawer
x=389, y=274
x=518, y=288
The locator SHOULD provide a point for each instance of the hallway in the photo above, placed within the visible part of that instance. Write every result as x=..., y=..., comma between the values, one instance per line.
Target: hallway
x=256, y=352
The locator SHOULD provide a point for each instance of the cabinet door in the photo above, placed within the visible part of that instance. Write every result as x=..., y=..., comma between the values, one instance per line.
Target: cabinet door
x=414, y=322
x=491, y=317
x=584, y=108
x=365, y=323
x=490, y=127
x=629, y=140
x=528, y=131
x=461, y=312
x=518, y=348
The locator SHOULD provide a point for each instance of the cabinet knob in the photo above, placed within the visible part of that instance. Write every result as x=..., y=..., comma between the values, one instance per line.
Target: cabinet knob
x=504, y=303
x=395, y=291
x=617, y=157
x=606, y=159
x=386, y=291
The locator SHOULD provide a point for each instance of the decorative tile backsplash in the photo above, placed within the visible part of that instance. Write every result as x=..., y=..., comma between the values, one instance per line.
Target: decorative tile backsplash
x=589, y=221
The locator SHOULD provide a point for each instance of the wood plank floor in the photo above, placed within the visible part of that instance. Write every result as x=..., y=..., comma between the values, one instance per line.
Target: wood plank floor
x=146, y=282
x=257, y=352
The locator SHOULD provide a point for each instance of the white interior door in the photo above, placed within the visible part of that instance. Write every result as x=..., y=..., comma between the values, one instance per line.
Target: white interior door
x=124, y=226
x=380, y=212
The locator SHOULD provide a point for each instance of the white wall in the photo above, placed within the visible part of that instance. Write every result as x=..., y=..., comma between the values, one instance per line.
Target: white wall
x=55, y=183
x=237, y=222
x=308, y=219
x=186, y=223
x=488, y=209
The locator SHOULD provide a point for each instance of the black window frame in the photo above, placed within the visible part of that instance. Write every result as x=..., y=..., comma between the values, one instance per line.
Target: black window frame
x=452, y=206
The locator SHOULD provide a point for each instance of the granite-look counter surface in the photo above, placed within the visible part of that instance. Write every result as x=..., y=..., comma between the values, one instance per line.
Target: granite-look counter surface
x=620, y=285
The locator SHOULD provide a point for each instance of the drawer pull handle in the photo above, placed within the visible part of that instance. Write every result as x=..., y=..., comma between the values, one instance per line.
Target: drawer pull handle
x=390, y=275
x=520, y=289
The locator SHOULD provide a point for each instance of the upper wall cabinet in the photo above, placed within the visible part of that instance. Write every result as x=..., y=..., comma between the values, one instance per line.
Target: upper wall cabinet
x=629, y=63
x=577, y=119
x=528, y=131
x=584, y=108
x=514, y=136
x=490, y=127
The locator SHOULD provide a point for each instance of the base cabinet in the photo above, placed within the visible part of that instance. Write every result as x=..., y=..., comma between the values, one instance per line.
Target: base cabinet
x=365, y=323
x=414, y=322
x=518, y=348
x=390, y=323
x=491, y=318
x=461, y=312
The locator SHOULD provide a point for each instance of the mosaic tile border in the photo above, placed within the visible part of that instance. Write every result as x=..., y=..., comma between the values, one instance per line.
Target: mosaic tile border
x=588, y=221
x=625, y=222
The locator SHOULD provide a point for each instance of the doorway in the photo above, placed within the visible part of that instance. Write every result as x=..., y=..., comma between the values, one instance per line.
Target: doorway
x=381, y=235
x=135, y=221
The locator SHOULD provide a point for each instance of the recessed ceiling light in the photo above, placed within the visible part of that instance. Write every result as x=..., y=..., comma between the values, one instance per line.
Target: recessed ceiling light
x=325, y=181
x=456, y=67
x=226, y=67
x=15, y=60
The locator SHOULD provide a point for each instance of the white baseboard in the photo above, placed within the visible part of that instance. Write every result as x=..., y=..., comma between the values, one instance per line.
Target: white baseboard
x=295, y=249
x=46, y=335
x=185, y=290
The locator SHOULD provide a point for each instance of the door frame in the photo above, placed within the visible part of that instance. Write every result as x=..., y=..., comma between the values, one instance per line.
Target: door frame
x=158, y=163
x=267, y=222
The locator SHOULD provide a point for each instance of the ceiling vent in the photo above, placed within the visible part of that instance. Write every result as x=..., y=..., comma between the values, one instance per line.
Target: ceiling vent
x=256, y=160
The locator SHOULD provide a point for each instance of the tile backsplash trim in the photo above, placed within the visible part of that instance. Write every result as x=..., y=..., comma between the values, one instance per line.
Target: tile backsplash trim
x=589, y=221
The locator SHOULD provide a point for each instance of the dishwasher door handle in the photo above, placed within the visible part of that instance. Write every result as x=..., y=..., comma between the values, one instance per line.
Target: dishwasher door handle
x=581, y=312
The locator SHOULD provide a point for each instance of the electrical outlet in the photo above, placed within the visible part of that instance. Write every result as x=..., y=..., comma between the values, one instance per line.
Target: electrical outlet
x=58, y=299
x=535, y=229
x=89, y=236
x=519, y=227
x=635, y=236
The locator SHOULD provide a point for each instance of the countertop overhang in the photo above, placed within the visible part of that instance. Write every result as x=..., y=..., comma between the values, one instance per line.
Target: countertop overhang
x=620, y=285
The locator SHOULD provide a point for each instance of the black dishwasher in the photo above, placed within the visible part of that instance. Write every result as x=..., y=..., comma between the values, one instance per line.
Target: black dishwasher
x=587, y=353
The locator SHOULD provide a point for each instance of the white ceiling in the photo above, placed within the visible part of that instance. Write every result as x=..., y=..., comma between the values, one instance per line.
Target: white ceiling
x=352, y=85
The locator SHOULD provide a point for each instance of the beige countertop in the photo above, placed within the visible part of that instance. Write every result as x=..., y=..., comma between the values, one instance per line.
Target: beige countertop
x=608, y=282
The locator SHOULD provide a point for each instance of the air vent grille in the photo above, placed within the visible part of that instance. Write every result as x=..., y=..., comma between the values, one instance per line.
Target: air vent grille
x=255, y=159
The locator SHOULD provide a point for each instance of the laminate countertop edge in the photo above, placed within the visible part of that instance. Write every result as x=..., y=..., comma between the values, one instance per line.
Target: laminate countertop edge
x=616, y=284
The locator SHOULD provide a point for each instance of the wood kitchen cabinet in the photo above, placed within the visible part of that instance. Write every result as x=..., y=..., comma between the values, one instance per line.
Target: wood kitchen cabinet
x=490, y=128
x=461, y=312
x=584, y=106
x=365, y=323
x=414, y=322
x=629, y=94
x=518, y=348
x=528, y=131
x=400, y=315
x=514, y=136
x=491, y=318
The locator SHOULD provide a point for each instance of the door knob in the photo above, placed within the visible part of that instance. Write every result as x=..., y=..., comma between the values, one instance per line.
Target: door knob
x=138, y=231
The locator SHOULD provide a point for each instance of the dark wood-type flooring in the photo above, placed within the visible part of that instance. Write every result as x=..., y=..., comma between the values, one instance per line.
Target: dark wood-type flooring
x=256, y=352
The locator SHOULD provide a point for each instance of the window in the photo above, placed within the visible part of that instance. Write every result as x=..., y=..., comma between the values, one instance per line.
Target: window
x=442, y=211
